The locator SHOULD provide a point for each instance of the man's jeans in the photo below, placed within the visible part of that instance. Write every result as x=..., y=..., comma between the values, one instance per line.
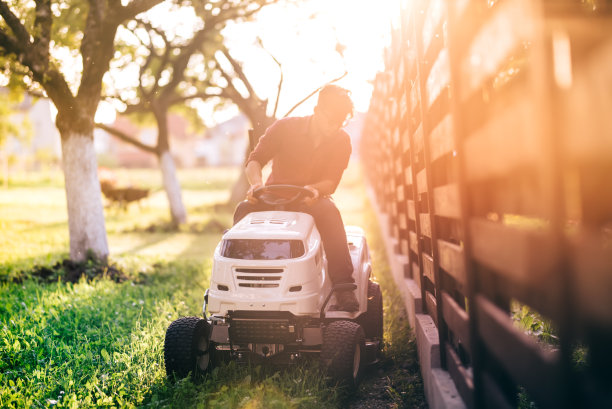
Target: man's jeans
x=330, y=226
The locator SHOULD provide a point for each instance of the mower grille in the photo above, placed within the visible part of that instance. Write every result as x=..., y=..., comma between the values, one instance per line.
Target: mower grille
x=258, y=277
x=257, y=328
x=260, y=270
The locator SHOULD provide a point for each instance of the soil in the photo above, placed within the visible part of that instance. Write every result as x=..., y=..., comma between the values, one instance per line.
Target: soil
x=387, y=385
x=72, y=271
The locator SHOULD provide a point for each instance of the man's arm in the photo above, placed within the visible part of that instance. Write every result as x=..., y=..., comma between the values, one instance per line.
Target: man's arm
x=319, y=189
x=253, y=173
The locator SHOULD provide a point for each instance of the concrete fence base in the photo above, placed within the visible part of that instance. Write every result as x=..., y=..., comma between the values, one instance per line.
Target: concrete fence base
x=440, y=390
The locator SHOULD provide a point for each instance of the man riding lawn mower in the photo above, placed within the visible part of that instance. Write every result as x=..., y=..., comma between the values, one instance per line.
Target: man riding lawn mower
x=288, y=280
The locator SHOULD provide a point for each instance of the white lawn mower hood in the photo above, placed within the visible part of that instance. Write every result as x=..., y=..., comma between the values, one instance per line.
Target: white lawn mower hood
x=274, y=261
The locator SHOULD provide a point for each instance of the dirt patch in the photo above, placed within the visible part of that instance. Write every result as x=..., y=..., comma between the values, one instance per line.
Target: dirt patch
x=72, y=271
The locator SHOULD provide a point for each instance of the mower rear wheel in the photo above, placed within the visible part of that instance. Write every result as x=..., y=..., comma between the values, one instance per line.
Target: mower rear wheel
x=187, y=347
x=343, y=352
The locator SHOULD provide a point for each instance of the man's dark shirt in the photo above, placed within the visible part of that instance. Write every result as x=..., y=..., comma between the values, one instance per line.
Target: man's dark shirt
x=295, y=160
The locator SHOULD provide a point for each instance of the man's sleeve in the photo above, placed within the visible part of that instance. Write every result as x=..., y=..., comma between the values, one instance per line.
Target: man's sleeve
x=337, y=166
x=267, y=146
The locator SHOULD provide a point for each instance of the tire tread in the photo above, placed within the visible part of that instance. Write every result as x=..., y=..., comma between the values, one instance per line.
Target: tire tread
x=339, y=340
x=180, y=345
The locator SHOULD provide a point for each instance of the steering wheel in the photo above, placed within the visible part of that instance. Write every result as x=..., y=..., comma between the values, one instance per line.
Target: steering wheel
x=280, y=195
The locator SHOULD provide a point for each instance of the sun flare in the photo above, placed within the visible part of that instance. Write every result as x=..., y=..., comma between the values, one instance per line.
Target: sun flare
x=316, y=41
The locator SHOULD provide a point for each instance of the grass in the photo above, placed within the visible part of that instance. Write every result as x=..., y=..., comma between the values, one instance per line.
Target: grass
x=35, y=234
x=99, y=343
x=402, y=384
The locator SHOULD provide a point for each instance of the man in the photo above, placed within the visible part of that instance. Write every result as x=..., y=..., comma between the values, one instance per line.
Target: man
x=313, y=152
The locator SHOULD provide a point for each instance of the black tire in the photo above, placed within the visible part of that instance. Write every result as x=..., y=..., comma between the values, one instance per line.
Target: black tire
x=372, y=319
x=343, y=352
x=187, y=348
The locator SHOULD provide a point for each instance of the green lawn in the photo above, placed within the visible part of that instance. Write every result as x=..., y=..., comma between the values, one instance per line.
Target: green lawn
x=99, y=343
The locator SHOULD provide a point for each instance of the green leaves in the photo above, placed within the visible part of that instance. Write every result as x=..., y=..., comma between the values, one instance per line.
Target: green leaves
x=105, y=355
x=533, y=324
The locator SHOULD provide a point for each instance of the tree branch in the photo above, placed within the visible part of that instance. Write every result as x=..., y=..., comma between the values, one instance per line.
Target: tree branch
x=230, y=90
x=20, y=32
x=182, y=59
x=150, y=57
x=238, y=70
x=126, y=138
x=249, y=106
x=9, y=44
x=133, y=9
x=314, y=92
x=36, y=94
x=198, y=95
x=115, y=97
x=165, y=57
x=280, y=81
x=42, y=30
x=139, y=108
x=97, y=49
x=50, y=79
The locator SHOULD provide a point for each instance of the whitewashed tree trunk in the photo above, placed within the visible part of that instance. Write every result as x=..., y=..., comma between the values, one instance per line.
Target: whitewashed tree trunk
x=173, y=188
x=83, y=196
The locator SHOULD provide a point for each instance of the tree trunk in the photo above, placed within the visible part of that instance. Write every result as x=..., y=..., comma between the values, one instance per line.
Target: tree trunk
x=83, y=196
x=173, y=188
x=241, y=186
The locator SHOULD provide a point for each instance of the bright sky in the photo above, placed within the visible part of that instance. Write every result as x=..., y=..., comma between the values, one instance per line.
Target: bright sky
x=303, y=36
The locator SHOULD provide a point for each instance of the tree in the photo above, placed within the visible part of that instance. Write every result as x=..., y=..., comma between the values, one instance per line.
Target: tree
x=173, y=71
x=235, y=86
x=28, y=40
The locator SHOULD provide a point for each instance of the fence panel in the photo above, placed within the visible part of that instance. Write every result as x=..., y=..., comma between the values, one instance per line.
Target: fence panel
x=493, y=142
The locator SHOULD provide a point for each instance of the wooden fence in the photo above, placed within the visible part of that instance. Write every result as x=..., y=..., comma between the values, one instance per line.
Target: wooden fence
x=488, y=145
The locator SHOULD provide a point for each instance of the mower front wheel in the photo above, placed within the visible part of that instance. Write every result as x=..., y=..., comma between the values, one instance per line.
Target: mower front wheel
x=187, y=347
x=343, y=352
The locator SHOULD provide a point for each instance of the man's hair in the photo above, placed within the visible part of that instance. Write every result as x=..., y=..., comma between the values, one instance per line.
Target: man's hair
x=336, y=100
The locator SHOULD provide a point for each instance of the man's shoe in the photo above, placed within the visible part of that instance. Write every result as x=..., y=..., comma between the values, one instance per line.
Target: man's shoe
x=345, y=301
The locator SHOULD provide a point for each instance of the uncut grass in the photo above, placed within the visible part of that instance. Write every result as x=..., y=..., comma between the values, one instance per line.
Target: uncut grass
x=87, y=344
x=100, y=343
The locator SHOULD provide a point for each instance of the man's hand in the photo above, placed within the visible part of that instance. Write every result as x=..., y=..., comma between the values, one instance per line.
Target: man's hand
x=249, y=195
x=309, y=201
